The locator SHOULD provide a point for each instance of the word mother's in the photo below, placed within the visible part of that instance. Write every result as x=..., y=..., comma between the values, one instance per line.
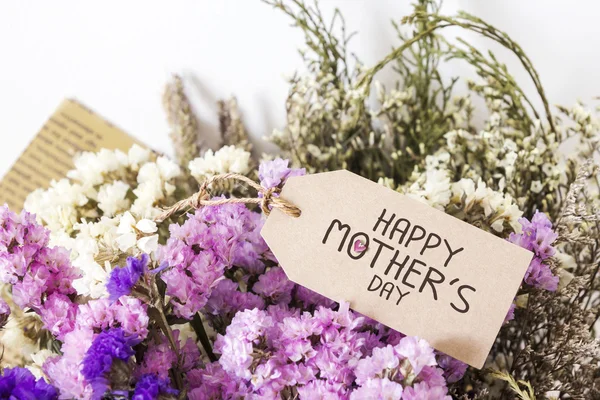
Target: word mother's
x=398, y=274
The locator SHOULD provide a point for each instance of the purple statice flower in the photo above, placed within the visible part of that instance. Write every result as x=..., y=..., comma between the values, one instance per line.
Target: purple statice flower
x=38, y=274
x=21, y=237
x=454, y=370
x=510, y=315
x=19, y=383
x=212, y=382
x=226, y=300
x=150, y=387
x=422, y=391
x=274, y=173
x=160, y=357
x=106, y=348
x=158, y=360
x=4, y=312
x=537, y=236
x=309, y=298
x=237, y=346
x=322, y=389
x=274, y=286
x=122, y=280
x=378, y=388
x=324, y=354
x=199, y=251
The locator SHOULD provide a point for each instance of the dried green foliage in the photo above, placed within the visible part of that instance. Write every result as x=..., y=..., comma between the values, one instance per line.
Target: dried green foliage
x=420, y=139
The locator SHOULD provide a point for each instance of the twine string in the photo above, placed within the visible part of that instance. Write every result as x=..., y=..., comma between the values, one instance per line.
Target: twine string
x=201, y=198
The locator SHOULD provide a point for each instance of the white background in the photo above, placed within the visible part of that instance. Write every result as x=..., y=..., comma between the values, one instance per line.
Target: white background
x=115, y=56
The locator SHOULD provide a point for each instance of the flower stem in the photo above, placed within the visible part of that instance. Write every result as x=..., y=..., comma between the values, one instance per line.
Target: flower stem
x=198, y=326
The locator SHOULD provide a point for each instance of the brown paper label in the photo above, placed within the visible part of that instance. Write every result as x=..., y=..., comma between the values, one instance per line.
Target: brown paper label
x=398, y=261
x=71, y=129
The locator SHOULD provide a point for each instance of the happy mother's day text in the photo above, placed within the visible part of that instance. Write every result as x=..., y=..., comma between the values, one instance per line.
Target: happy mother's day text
x=386, y=251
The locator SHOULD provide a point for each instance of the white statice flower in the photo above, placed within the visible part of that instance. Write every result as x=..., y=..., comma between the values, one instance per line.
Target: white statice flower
x=91, y=168
x=497, y=207
x=91, y=238
x=57, y=207
x=128, y=235
x=112, y=198
x=13, y=337
x=228, y=159
x=153, y=186
x=433, y=190
x=39, y=358
x=536, y=186
x=137, y=155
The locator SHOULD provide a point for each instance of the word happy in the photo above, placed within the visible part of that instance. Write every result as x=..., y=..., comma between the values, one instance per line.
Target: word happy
x=398, y=274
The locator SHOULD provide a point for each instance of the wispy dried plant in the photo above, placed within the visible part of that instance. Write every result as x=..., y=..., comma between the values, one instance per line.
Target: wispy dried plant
x=182, y=120
x=231, y=126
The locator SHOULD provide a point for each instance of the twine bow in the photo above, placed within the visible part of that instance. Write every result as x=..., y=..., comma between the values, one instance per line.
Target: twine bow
x=201, y=198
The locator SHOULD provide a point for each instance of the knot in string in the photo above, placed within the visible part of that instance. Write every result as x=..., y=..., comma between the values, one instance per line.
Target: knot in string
x=267, y=199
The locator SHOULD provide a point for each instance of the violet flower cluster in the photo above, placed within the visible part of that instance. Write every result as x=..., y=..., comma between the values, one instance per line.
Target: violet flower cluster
x=41, y=276
x=537, y=236
x=274, y=338
x=98, y=325
x=218, y=243
x=326, y=354
x=19, y=383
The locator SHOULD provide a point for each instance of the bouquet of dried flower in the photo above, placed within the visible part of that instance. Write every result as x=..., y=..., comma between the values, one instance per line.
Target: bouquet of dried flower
x=120, y=282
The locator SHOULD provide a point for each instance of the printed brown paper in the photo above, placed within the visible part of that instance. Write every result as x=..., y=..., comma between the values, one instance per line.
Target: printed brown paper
x=71, y=129
x=398, y=261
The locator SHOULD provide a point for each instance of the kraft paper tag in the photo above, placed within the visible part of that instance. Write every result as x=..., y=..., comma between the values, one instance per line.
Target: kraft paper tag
x=73, y=128
x=398, y=261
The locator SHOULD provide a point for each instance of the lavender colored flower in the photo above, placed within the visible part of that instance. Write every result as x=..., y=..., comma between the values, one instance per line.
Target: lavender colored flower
x=309, y=298
x=537, y=236
x=107, y=347
x=150, y=387
x=122, y=280
x=322, y=354
x=226, y=300
x=127, y=312
x=274, y=173
x=377, y=388
x=19, y=383
x=159, y=357
x=41, y=276
x=198, y=253
x=453, y=369
x=417, y=351
x=65, y=371
x=275, y=286
x=510, y=315
x=422, y=391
